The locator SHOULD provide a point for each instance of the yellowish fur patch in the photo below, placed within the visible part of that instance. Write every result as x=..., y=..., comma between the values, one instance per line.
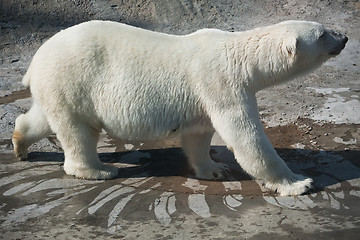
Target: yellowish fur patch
x=17, y=136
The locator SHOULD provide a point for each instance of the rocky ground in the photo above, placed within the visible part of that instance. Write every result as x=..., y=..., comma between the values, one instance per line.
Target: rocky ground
x=313, y=121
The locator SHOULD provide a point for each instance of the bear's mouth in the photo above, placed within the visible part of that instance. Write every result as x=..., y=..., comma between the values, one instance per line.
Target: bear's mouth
x=336, y=52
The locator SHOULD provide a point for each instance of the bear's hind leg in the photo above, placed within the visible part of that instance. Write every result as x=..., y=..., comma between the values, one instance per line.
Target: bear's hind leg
x=79, y=141
x=197, y=148
x=29, y=128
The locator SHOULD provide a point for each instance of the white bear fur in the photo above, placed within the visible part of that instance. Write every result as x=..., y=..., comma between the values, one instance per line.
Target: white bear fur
x=139, y=84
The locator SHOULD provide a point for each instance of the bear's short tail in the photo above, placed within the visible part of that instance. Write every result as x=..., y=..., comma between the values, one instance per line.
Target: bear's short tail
x=26, y=79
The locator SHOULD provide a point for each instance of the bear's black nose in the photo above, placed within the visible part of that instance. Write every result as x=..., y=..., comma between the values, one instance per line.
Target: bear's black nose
x=344, y=41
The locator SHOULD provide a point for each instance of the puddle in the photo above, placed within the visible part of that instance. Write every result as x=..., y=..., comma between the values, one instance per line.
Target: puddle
x=338, y=108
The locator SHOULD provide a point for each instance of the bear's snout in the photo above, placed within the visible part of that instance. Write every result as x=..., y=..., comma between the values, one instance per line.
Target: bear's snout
x=341, y=39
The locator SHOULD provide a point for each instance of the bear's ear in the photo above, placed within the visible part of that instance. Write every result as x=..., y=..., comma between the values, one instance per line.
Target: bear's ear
x=289, y=45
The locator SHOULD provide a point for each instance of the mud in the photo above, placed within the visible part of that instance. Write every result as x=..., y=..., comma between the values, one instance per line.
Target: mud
x=16, y=95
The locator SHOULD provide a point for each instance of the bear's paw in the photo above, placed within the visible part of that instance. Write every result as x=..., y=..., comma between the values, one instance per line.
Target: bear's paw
x=213, y=171
x=101, y=172
x=294, y=186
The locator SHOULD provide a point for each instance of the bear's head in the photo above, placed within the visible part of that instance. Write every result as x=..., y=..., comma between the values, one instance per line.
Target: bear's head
x=280, y=52
x=309, y=44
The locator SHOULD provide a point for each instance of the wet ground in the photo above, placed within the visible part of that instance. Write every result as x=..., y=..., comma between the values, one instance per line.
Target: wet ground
x=313, y=122
x=156, y=197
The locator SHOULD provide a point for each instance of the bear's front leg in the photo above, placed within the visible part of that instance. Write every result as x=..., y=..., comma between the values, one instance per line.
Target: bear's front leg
x=197, y=148
x=240, y=127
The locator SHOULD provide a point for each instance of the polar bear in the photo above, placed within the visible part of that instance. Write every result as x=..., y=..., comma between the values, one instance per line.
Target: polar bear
x=139, y=84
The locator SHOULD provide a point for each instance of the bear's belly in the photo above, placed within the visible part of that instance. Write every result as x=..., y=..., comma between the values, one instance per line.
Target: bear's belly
x=149, y=125
x=145, y=118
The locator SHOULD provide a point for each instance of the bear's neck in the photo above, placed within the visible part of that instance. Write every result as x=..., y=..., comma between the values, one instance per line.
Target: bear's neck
x=258, y=61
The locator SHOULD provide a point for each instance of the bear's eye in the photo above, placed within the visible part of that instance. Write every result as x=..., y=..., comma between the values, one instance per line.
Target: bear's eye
x=322, y=34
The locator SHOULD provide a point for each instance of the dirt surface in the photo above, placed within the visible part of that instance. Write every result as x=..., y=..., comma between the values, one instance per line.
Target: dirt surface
x=313, y=122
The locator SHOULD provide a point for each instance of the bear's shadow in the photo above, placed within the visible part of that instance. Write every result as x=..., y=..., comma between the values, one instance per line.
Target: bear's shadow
x=325, y=167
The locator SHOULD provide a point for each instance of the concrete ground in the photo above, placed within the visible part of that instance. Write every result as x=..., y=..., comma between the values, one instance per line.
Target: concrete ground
x=313, y=122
